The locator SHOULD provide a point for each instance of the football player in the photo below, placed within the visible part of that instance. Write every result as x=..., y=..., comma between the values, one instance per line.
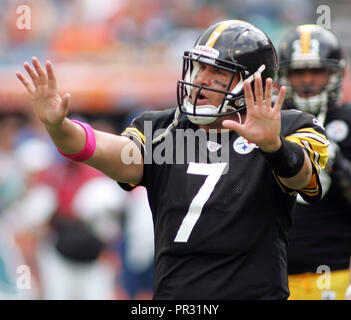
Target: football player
x=222, y=170
x=312, y=67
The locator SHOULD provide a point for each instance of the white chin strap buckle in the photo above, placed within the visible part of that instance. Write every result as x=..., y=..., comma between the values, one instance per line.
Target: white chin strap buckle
x=257, y=73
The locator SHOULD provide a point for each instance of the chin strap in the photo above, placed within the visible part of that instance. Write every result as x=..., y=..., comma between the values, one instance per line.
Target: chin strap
x=257, y=73
x=169, y=128
x=174, y=124
x=239, y=116
x=240, y=85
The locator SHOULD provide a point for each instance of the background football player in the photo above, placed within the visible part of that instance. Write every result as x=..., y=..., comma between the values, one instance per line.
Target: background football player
x=312, y=68
x=220, y=227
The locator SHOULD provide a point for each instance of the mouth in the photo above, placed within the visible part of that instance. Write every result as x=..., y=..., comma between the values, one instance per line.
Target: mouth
x=202, y=99
x=309, y=91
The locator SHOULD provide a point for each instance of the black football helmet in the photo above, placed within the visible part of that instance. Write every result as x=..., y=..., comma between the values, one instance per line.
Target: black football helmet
x=232, y=45
x=312, y=47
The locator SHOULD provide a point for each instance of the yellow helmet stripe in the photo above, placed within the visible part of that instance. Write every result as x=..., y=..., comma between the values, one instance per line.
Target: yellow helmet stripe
x=305, y=38
x=217, y=32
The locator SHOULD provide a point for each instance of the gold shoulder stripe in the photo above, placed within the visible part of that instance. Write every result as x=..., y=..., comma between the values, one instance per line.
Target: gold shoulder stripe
x=292, y=138
x=314, y=156
x=318, y=154
x=315, y=143
x=135, y=130
x=312, y=131
x=133, y=135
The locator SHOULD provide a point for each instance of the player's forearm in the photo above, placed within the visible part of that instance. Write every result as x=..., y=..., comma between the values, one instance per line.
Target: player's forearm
x=68, y=136
x=118, y=157
x=290, y=162
x=302, y=178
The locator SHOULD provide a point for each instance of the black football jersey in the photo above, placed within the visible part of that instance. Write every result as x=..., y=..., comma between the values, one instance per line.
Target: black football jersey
x=221, y=216
x=321, y=233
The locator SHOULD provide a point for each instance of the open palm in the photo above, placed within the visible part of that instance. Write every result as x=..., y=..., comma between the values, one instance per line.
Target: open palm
x=262, y=123
x=50, y=107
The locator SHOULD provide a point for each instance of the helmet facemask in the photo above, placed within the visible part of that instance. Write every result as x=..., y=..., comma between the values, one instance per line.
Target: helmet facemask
x=232, y=45
x=325, y=94
x=189, y=93
x=312, y=47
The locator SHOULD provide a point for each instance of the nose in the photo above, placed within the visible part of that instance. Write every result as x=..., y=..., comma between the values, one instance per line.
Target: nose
x=307, y=77
x=202, y=77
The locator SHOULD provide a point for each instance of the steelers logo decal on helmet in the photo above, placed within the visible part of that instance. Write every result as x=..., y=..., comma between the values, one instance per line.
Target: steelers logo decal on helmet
x=311, y=47
x=305, y=49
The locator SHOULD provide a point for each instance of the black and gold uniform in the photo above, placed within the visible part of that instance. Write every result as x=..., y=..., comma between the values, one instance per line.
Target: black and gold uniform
x=320, y=237
x=221, y=226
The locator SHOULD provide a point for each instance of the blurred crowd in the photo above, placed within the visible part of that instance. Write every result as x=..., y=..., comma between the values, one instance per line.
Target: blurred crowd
x=66, y=230
x=152, y=30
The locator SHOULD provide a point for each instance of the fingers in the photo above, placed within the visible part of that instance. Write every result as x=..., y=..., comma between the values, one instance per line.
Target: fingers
x=249, y=97
x=51, y=75
x=32, y=74
x=258, y=90
x=268, y=92
x=280, y=99
x=259, y=98
x=38, y=75
x=40, y=71
x=231, y=125
x=28, y=85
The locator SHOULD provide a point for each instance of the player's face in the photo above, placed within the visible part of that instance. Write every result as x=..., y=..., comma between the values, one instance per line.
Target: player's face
x=214, y=78
x=308, y=82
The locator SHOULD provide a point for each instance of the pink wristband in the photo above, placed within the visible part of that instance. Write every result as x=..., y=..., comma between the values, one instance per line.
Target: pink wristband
x=89, y=147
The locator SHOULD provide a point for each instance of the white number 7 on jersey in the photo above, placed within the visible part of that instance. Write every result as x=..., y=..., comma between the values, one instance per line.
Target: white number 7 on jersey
x=213, y=171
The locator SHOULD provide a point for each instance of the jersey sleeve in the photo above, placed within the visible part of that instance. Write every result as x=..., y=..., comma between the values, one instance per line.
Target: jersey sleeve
x=142, y=131
x=135, y=132
x=308, y=132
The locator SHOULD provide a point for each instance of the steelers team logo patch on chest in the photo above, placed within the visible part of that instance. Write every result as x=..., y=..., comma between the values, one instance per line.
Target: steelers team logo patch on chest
x=242, y=146
x=337, y=130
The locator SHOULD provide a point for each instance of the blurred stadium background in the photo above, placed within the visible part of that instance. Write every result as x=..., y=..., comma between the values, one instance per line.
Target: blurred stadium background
x=118, y=58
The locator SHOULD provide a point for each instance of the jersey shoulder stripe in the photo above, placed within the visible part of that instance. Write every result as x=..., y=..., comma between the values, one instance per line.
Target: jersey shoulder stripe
x=315, y=143
x=141, y=130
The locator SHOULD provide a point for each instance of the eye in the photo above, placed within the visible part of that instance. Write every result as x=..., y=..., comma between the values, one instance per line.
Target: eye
x=202, y=67
x=218, y=71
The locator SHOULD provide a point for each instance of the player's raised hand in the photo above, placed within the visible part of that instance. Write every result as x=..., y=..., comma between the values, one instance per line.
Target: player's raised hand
x=50, y=107
x=262, y=122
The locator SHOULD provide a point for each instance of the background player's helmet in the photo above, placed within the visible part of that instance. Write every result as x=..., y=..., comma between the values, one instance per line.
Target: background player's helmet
x=312, y=47
x=234, y=46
